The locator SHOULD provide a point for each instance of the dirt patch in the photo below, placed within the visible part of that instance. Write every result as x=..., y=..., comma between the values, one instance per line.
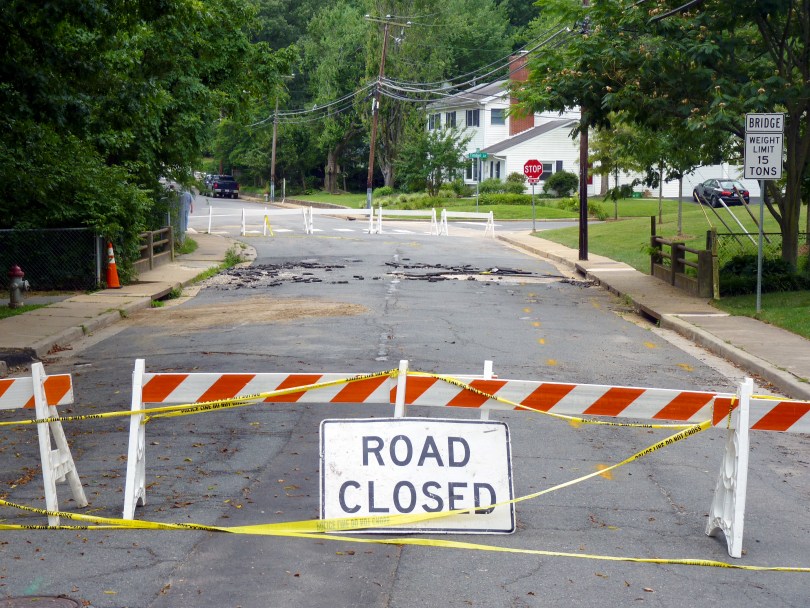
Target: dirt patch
x=249, y=311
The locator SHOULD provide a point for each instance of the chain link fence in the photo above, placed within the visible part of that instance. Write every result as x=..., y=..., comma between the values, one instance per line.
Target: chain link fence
x=731, y=245
x=57, y=259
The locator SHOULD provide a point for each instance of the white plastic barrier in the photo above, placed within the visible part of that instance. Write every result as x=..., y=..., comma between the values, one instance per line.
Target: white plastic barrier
x=429, y=213
x=489, y=228
x=264, y=219
x=737, y=412
x=44, y=393
x=338, y=212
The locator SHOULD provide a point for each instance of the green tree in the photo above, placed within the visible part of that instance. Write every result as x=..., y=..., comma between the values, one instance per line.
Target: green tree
x=98, y=101
x=427, y=159
x=334, y=73
x=707, y=66
x=442, y=40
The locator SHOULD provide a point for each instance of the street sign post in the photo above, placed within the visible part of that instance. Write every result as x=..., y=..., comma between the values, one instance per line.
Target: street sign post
x=478, y=156
x=763, y=161
x=533, y=169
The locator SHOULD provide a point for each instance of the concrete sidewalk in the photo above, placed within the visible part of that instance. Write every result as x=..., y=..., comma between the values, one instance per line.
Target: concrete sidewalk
x=34, y=334
x=777, y=356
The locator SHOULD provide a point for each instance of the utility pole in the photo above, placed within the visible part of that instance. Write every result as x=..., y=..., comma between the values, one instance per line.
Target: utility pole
x=273, y=157
x=583, y=186
x=583, y=170
x=375, y=111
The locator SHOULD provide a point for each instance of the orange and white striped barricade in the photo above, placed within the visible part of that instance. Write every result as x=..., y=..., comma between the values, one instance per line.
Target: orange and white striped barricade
x=43, y=393
x=190, y=388
x=738, y=413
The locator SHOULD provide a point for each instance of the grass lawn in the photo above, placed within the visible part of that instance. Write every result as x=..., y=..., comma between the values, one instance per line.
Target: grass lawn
x=353, y=201
x=627, y=240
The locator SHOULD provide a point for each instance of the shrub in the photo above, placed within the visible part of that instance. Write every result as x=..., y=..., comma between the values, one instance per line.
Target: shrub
x=505, y=199
x=563, y=183
x=516, y=178
x=461, y=189
x=491, y=185
x=594, y=209
x=515, y=187
x=739, y=276
x=446, y=190
x=383, y=191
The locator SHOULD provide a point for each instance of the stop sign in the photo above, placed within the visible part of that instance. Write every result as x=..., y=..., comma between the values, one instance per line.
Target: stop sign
x=533, y=169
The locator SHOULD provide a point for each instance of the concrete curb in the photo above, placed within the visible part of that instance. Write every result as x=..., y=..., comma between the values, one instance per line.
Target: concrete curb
x=787, y=382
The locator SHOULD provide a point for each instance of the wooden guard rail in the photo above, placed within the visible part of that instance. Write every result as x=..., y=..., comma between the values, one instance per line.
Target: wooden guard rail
x=692, y=270
x=157, y=248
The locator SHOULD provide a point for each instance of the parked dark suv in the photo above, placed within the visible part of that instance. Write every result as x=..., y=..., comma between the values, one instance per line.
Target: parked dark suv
x=712, y=191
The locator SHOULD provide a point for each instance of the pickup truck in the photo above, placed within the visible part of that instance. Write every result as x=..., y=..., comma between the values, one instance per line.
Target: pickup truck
x=224, y=186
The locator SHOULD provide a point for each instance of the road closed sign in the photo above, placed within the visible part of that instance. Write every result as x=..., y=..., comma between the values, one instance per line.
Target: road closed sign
x=410, y=466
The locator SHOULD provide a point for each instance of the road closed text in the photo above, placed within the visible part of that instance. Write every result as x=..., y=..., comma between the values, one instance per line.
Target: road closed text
x=405, y=496
x=405, y=466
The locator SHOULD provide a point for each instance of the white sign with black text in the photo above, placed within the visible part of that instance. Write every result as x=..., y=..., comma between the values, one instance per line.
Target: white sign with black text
x=763, y=146
x=395, y=466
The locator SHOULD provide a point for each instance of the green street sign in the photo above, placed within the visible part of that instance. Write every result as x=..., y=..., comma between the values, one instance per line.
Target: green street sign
x=477, y=155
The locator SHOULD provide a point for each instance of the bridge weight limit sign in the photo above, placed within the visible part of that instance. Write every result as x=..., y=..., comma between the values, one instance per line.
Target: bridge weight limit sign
x=763, y=161
x=763, y=146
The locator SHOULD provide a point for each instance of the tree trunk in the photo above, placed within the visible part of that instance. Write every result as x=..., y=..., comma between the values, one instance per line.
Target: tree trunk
x=790, y=206
x=605, y=185
x=387, y=169
x=331, y=171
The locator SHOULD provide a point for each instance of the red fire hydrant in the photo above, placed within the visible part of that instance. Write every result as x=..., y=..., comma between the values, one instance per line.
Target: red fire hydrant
x=16, y=286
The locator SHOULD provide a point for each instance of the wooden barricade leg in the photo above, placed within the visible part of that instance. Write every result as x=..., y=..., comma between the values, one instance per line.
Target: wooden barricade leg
x=727, y=512
x=57, y=464
x=135, y=486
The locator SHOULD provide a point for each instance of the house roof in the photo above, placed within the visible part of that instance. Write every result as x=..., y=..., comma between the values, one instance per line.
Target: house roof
x=527, y=135
x=475, y=95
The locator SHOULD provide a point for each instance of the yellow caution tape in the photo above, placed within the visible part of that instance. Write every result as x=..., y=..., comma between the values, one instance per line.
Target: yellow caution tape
x=360, y=523
x=204, y=406
x=314, y=529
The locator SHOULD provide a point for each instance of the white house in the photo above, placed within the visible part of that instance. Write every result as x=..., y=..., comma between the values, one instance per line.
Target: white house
x=508, y=141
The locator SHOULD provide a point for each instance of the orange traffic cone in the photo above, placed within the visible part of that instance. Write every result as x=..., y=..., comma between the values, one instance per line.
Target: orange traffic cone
x=112, y=269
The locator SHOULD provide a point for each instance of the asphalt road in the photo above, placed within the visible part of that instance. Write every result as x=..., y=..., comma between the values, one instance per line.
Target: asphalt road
x=352, y=302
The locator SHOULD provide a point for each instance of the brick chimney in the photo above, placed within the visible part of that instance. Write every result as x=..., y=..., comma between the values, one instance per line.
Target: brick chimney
x=518, y=72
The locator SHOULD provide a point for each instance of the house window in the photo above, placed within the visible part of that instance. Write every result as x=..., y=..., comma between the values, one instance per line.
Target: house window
x=473, y=118
x=498, y=169
x=450, y=120
x=472, y=170
x=434, y=121
x=548, y=169
x=497, y=116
